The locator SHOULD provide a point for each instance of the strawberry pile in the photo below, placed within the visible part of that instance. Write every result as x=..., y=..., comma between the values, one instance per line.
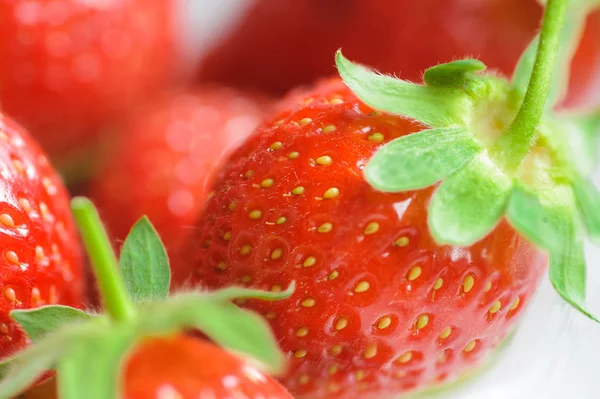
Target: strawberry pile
x=363, y=236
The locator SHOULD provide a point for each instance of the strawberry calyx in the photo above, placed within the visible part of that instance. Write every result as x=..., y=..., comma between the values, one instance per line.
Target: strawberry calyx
x=88, y=350
x=495, y=149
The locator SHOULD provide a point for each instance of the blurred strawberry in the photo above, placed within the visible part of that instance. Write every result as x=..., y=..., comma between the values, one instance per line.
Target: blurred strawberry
x=281, y=44
x=68, y=67
x=169, y=150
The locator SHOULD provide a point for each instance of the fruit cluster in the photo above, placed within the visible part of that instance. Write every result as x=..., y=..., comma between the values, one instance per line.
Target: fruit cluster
x=360, y=236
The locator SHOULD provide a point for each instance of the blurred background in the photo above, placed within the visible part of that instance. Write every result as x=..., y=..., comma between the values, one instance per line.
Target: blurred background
x=135, y=101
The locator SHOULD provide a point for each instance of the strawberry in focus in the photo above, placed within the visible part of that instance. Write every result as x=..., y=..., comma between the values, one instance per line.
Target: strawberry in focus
x=71, y=67
x=282, y=44
x=168, y=151
x=377, y=298
x=41, y=259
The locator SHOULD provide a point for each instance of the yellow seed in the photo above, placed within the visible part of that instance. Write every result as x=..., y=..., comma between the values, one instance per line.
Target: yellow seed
x=335, y=350
x=298, y=190
x=336, y=101
x=300, y=353
x=255, y=214
x=384, y=322
x=303, y=379
x=276, y=288
x=442, y=357
x=276, y=145
x=422, y=321
x=276, y=254
x=446, y=332
x=11, y=256
x=305, y=121
x=329, y=129
x=371, y=228
x=333, y=387
x=7, y=220
x=246, y=279
x=39, y=253
x=362, y=286
x=281, y=220
x=333, y=275
x=325, y=228
x=302, y=332
x=293, y=155
x=267, y=183
x=415, y=273
x=232, y=205
x=341, y=323
x=438, y=284
x=405, y=357
x=249, y=173
x=10, y=294
x=376, y=137
x=488, y=286
x=359, y=375
x=468, y=283
x=246, y=249
x=222, y=265
x=227, y=236
x=470, y=346
x=331, y=370
x=309, y=261
x=496, y=306
x=402, y=242
x=308, y=302
x=370, y=352
x=331, y=193
x=515, y=304
x=19, y=166
x=324, y=160
x=270, y=315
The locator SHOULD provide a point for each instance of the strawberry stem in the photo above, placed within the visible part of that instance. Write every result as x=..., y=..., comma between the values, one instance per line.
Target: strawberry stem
x=522, y=133
x=116, y=299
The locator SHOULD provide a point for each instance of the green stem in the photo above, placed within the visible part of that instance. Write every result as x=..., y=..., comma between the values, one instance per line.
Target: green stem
x=116, y=299
x=522, y=133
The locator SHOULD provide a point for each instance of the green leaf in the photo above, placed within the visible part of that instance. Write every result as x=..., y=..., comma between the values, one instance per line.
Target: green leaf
x=588, y=200
x=570, y=37
x=420, y=159
x=91, y=368
x=41, y=321
x=144, y=263
x=430, y=105
x=453, y=74
x=468, y=204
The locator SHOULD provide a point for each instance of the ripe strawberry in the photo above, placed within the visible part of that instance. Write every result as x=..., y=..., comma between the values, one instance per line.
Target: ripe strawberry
x=41, y=259
x=162, y=165
x=282, y=44
x=70, y=67
x=169, y=366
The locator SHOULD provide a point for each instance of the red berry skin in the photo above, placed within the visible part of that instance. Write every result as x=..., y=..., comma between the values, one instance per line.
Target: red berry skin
x=40, y=258
x=379, y=307
x=162, y=165
x=282, y=44
x=189, y=368
x=69, y=67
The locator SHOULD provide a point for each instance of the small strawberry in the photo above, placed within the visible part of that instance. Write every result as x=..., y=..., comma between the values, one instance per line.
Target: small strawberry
x=41, y=259
x=403, y=282
x=162, y=165
x=281, y=44
x=69, y=67
x=139, y=349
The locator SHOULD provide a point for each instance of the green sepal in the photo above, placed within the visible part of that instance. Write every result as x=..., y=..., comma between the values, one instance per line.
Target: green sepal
x=588, y=200
x=430, y=105
x=91, y=367
x=570, y=37
x=39, y=322
x=144, y=263
x=469, y=204
x=420, y=159
x=581, y=133
x=456, y=74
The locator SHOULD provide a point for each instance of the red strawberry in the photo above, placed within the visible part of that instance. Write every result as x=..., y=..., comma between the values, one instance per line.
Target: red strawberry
x=170, y=366
x=70, y=67
x=41, y=258
x=281, y=44
x=162, y=165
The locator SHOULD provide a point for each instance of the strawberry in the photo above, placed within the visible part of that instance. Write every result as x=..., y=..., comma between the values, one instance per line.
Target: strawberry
x=162, y=165
x=70, y=67
x=140, y=347
x=41, y=258
x=403, y=282
x=279, y=45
